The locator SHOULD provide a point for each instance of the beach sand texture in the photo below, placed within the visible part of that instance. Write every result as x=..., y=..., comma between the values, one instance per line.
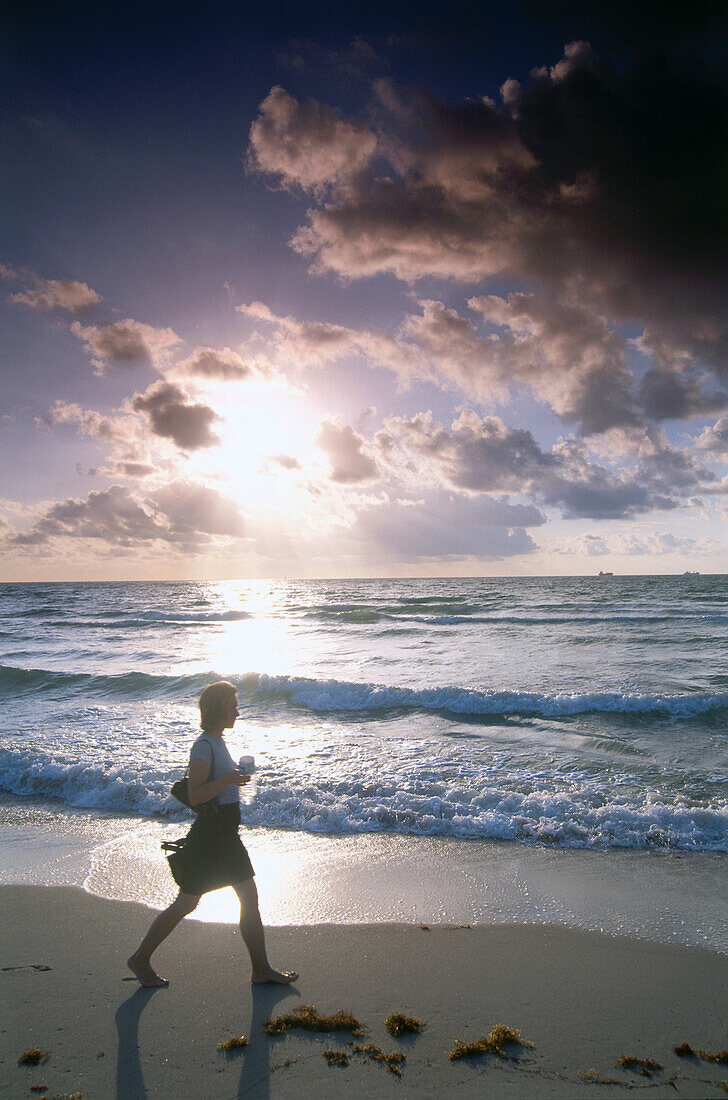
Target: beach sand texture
x=584, y=1000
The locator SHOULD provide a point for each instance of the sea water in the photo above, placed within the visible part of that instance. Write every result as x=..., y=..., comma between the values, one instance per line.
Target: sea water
x=588, y=712
x=552, y=713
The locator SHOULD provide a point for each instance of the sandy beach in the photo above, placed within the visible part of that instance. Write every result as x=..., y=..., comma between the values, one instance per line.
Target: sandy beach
x=584, y=1000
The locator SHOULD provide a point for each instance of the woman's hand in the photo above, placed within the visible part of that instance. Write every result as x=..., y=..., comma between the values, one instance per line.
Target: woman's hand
x=237, y=777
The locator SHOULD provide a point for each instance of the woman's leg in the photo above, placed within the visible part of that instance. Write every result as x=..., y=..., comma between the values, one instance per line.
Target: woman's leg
x=139, y=963
x=251, y=929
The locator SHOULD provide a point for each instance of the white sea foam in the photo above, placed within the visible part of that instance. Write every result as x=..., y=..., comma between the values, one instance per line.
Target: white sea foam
x=335, y=695
x=495, y=803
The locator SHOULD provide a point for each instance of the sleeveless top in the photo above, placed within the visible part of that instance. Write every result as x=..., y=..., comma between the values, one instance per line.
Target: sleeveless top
x=221, y=762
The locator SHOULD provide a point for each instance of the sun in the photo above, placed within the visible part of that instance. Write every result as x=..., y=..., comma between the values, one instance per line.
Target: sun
x=266, y=439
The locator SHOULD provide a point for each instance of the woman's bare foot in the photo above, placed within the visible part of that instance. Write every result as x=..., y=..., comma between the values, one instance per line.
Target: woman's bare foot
x=275, y=977
x=145, y=972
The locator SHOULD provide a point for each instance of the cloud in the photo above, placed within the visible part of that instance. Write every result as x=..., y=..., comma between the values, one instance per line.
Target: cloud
x=307, y=144
x=476, y=455
x=173, y=416
x=447, y=528
x=715, y=439
x=344, y=448
x=126, y=344
x=218, y=365
x=182, y=513
x=38, y=293
x=601, y=184
x=671, y=395
x=648, y=544
x=483, y=456
x=288, y=462
x=192, y=509
x=126, y=434
x=567, y=355
x=108, y=429
x=351, y=63
x=125, y=468
x=113, y=515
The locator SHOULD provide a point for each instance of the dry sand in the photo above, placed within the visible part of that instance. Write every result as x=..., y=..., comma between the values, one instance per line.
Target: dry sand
x=583, y=999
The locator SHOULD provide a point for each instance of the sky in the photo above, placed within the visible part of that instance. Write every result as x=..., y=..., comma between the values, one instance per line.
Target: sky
x=362, y=290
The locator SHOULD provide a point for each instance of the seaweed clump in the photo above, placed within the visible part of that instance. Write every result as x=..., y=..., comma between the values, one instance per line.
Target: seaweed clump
x=236, y=1042
x=397, y=1024
x=336, y=1057
x=33, y=1057
x=492, y=1043
x=595, y=1078
x=392, y=1061
x=310, y=1019
x=686, y=1051
x=646, y=1066
x=721, y=1056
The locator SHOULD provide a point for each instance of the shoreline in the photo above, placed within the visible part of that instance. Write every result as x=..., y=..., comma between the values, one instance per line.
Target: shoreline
x=308, y=879
x=582, y=998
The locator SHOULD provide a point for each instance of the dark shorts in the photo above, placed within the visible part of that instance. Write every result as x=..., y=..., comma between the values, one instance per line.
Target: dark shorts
x=212, y=855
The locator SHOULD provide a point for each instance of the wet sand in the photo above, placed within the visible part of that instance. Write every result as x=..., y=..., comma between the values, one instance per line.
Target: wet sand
x=583, y=999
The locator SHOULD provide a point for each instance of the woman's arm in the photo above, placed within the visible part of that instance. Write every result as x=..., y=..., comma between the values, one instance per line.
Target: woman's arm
x=200, y=790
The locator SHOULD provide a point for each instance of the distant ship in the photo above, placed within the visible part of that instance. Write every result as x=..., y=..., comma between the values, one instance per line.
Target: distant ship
x=691, y=573
x=603, y=574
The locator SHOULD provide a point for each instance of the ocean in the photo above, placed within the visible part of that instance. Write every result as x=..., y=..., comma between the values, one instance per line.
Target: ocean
x=558, y=714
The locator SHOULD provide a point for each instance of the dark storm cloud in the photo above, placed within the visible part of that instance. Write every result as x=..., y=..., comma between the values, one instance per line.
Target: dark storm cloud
x=670, y=395
x=173, y=416
x=603, y=184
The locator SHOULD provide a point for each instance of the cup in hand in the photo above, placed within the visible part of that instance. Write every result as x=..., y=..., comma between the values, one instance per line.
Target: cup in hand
x=247, y=793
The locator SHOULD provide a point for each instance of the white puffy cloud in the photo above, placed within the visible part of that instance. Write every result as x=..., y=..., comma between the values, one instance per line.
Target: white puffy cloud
x=715, y=438
x=482, y=455
x=126, y=344
x=107, y=429
x=307, y=144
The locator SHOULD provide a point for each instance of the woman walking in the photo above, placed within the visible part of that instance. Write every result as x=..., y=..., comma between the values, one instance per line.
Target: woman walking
x=213, y=854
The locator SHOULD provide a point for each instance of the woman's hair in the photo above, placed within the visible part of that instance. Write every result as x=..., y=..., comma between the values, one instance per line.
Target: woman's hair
x=212, y=702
